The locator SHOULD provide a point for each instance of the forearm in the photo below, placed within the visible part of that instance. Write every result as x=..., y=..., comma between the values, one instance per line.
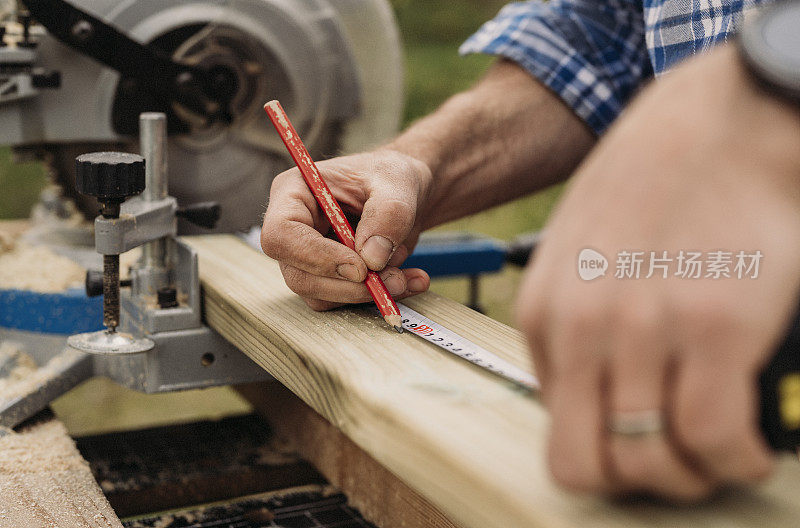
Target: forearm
x=504, y=138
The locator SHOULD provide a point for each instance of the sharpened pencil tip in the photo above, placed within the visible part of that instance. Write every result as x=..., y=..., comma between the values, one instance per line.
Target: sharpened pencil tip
x=395, y=322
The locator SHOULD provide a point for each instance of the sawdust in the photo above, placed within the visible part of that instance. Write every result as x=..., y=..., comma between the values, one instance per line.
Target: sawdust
x=7, y=242
x=54, y=210
x=25, y=376
x=11, y=353
x=39, y=448
x=46, y=482
x=37, y=268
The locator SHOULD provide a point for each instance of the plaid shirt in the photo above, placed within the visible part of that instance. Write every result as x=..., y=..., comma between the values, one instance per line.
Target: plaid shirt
x=595, y=53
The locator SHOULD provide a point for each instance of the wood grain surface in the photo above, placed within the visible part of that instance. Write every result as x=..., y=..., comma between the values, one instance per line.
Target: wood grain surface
x=467, y=441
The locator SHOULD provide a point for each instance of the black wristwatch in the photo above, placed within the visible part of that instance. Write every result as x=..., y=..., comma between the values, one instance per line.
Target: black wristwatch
x=769, y=43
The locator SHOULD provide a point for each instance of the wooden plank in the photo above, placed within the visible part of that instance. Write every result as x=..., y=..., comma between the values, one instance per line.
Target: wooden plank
x=465, y=440
x=45, y=482
x=380, y=496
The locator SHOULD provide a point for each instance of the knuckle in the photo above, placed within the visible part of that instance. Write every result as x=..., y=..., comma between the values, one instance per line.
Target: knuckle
x=638, y=319
x=580, y=318
x=721, y=453
x=751, y=469
x=400, y=209
x=722, y=444
x=294, y=279
x=761, y=469
x=700, y=436
x=569, y=335
x=399, y=213
x=268, y=244
x=284, y=177
x=702, y=317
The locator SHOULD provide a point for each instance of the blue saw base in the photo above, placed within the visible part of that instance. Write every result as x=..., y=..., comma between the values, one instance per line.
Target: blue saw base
x=442, y=255
x=66, y=313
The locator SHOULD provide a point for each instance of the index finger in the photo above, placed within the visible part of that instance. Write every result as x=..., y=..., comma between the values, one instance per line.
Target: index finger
x=292, y=233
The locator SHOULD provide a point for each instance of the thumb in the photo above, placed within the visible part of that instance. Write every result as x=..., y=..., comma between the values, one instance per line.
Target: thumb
x=386, y=221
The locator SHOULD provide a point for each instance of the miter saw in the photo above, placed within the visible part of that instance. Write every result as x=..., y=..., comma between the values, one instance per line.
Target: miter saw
x=80, y=76
x=74, y=77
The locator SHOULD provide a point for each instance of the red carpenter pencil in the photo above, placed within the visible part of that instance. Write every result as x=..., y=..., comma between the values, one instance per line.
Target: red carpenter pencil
x=330, y=207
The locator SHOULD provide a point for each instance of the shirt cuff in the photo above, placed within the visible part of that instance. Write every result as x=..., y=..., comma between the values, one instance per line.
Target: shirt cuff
x=531, y=35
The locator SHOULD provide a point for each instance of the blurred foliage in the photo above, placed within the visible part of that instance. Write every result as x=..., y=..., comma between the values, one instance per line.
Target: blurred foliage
x=442, y=22
x=20, y=185
x=434, y=73
x=432, y=33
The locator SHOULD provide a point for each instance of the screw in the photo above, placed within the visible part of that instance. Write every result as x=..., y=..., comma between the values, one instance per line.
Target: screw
x=82, y=30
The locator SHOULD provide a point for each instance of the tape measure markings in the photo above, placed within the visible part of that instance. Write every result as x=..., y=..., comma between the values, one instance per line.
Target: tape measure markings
x=445, y=338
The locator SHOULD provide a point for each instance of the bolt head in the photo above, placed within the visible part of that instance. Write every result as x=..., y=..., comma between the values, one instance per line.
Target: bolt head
x=82, y=30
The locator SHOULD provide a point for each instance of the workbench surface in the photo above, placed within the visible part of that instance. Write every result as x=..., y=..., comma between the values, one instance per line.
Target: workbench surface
x=468, y=442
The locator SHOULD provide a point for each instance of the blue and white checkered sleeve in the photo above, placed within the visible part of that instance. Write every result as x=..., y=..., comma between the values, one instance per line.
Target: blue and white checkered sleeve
x=591, y=53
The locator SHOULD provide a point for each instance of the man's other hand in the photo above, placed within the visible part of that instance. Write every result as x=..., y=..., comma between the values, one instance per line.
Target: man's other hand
x=702, y=161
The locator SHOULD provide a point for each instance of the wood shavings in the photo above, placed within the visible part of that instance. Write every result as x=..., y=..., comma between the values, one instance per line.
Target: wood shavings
x=6, y=242
x=15, y=367
x=54, y=210
x=46, y=482
x=26, y=376
x=37, y=268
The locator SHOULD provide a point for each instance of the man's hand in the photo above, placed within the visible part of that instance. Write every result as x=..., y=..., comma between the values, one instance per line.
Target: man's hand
x=505, y=137
x=384, y=188
x=702, y=161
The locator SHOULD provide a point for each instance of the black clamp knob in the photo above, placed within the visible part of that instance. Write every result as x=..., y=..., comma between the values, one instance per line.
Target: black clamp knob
x=41, y=78
x=94, y=283
x=111, y=177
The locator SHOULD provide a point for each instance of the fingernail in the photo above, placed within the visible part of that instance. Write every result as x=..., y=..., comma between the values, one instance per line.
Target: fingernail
x=349, y=272
x=394, y=284
x=376, y=252
x=416, y=285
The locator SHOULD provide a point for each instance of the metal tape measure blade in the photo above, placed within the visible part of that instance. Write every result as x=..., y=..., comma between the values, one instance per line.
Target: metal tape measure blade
x=442, y=337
